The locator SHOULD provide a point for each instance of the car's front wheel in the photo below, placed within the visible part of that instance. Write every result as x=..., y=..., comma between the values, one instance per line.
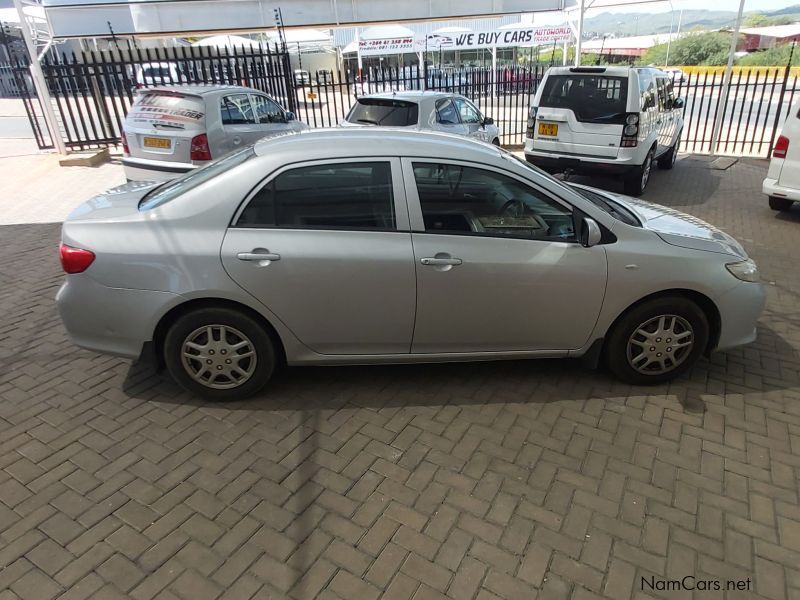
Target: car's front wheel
x=636, y=181
x=657, y=340
x=781, y=204
x=219, y=354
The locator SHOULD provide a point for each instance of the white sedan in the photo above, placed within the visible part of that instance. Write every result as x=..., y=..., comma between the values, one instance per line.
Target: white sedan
x=782, y=184
x=424, y=110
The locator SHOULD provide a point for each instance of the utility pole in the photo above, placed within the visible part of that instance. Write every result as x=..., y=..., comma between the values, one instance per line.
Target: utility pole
x=726, y=81
x=579, y=33
x=39, y=82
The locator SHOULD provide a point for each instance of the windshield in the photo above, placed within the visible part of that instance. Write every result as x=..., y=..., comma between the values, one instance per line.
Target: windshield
x=384, y=111
x=593, y=98
x=170, y=190
x=616, y=210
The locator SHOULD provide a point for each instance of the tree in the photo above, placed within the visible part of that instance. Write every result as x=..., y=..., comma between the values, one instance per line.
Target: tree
x=710, y=48
x=756, y=20
x=777, y=56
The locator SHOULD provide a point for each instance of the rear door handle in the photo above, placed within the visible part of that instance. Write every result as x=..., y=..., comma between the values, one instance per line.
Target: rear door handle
x=441, y=262
x=254, y=256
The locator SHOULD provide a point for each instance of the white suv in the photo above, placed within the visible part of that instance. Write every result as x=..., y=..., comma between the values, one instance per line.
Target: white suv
x=782, y=184
x=614, y=120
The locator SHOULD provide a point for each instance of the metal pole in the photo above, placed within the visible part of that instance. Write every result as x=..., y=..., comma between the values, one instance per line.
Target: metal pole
x=39, y=82
x=579, y=34
x=669, y=39
x=726, y=80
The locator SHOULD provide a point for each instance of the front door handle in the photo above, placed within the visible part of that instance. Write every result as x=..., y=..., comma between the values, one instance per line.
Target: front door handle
x=441, y=262
x=257, y=255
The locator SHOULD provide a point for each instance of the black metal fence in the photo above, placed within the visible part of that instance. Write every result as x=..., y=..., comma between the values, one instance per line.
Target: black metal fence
x=93, y=91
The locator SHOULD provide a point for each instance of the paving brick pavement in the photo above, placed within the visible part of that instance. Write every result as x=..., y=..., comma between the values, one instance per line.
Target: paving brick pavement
x=506, y=480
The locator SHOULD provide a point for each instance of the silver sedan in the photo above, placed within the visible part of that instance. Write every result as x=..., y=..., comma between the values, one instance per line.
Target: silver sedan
x=426, y=111
x=363, y=246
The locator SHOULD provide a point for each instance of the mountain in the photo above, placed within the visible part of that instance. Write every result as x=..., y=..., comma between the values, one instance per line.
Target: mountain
x=625, y=24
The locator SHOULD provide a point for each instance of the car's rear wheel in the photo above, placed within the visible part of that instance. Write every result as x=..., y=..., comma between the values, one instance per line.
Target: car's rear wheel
x=781, y=204
x=657, y=340
x=219, y=354
x=636, y=181
x=667, y=161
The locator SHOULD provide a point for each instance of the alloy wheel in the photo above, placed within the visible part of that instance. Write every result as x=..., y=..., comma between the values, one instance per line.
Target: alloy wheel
x=218, y=356
x=648, y=165
x=660, y=344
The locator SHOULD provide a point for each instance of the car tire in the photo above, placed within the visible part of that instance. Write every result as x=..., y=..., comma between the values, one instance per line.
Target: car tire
x=636, y=181
x=651, y=359
x=780, y=204
x=216, y=374
x=667, y=161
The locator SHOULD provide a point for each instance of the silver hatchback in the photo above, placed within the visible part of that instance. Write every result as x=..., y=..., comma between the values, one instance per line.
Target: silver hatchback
x=388, y=246
x=171, y=130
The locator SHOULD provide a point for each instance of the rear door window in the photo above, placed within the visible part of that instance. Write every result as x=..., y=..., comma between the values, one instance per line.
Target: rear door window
x=237, y=110
x=386, y=112
x=344, y=196
x=592, y=98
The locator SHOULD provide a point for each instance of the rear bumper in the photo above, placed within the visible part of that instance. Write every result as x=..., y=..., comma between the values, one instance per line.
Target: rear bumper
x=140, y=169
x=114, y=321
x=771, y=187
x=580, y=164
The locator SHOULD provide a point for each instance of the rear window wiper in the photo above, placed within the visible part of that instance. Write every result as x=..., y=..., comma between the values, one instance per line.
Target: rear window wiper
x=368, y=121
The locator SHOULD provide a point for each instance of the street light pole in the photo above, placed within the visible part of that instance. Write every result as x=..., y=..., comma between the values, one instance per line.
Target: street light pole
x=726, y=81
x=40, y=83
x=669, y=39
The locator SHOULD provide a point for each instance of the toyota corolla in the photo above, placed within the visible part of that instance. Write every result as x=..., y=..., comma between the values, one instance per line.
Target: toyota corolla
x=388, y=246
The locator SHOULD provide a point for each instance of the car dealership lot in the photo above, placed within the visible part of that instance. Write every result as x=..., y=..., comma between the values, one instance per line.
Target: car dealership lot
x=517, y=479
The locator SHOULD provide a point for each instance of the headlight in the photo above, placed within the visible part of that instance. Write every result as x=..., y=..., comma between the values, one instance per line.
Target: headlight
x=745, y=270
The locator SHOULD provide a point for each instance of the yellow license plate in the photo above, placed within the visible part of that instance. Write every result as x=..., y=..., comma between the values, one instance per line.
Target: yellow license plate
x=549, y=129
x=153, y=142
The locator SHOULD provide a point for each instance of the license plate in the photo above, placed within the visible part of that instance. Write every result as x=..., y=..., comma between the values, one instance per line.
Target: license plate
x=154, y=142
x=548, y=129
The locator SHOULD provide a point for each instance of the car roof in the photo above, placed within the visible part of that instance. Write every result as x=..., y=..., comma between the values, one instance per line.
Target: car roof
x=410, y=95
x=200, y=89
x=320, y=144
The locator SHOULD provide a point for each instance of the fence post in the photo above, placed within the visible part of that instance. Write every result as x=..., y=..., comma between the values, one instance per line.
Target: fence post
x=786, y=71
x=39, y=82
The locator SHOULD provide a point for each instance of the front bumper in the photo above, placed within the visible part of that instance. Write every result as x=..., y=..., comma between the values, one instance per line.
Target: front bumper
x=771, y=187
x=739, y=310
x=109, y=320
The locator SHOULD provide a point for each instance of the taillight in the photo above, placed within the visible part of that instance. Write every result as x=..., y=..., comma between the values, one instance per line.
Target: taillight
x=531, y=122
x=781, y=147
x=630, y=131
x=125, y=148
x=200, y=150
x=75, y=260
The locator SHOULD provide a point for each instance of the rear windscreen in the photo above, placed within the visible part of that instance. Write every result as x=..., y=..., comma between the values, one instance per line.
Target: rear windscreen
x=384, y=111
x=593, y=99
x=168, y=111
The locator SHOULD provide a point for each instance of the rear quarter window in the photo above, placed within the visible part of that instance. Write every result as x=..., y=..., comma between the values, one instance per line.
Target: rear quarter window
x=386, y=112
x=592, y=98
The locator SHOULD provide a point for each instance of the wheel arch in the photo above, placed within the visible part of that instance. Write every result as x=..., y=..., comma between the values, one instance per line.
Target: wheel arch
x=705, y=303
x=163, y=325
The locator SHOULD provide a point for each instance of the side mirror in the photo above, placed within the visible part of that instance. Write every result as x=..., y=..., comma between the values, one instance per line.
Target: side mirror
x=290, y=116
x=590, y=233
x=488, y=121
x=678, y=102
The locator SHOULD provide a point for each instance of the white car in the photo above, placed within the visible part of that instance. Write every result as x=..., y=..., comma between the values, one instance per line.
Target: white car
x=782, y=184
x=159, y=73
x=171, y=130
x=614, y=120
x=424, y=110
